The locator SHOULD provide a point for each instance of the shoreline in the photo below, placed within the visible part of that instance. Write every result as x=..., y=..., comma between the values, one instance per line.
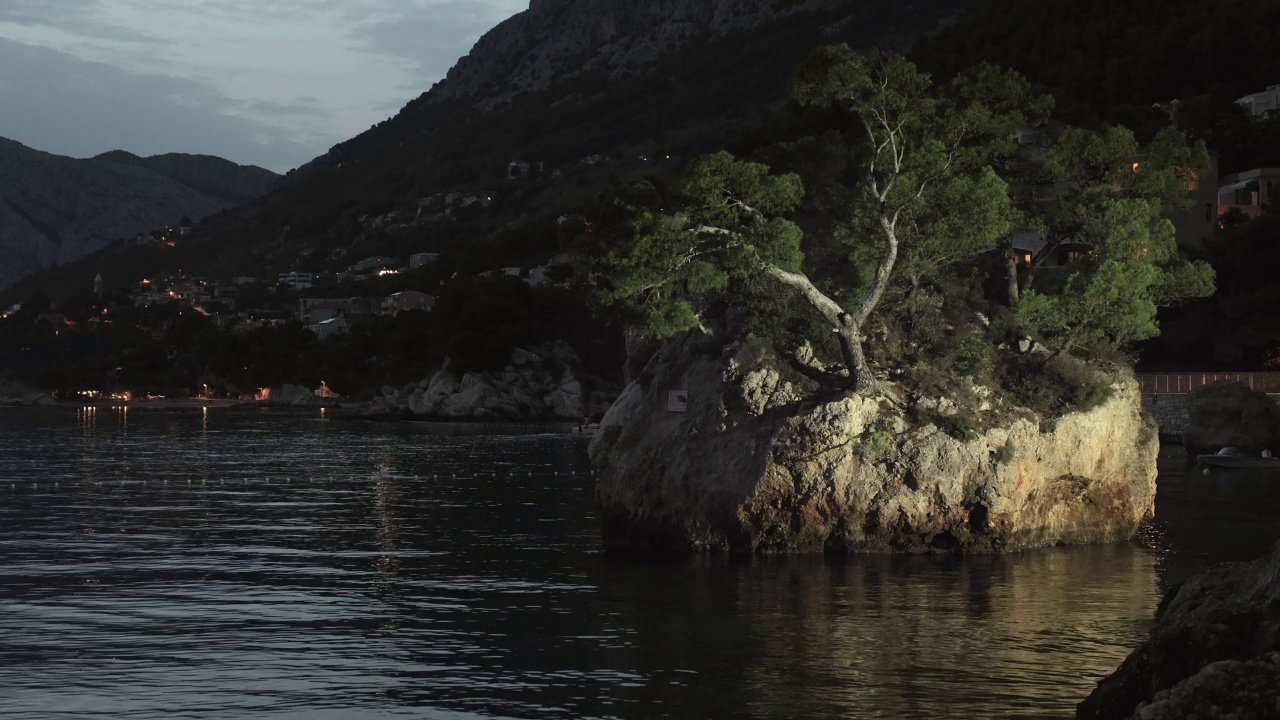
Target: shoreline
x=346, y=407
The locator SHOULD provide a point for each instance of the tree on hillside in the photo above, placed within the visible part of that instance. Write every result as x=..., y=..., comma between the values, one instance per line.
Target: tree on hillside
x=919, y=194
x=1112, y=198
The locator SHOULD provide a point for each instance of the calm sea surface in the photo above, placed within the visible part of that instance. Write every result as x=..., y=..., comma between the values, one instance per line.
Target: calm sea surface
x=176, y=564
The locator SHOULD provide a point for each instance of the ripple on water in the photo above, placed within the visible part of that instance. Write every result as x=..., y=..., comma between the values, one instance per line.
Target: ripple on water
x=250, y=565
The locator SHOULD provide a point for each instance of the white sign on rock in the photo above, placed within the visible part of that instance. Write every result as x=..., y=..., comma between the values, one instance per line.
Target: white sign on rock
x=678, y=401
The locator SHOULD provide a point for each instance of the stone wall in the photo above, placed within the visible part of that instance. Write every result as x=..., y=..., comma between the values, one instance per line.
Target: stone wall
x=1170, y=411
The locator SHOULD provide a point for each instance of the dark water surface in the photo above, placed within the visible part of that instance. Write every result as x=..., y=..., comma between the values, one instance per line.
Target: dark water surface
x=239, y=564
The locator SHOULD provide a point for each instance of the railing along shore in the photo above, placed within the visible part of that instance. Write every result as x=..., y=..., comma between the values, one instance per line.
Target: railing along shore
x=1184, y=382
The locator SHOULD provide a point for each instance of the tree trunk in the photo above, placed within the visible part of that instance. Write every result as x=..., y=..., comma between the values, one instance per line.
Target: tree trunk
x=849, y=325
x=864, y=381
x=846, y=326
x=1011, y=270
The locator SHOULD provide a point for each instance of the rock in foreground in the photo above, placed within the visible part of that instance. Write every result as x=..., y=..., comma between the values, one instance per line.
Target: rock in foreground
x=1213, y=653
x=1230, y=414
x=757, y=464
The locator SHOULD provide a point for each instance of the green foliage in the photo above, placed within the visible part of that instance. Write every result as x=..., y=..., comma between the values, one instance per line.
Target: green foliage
x=1111, y=297
x=874, y=444
x=1060, y=386
x=1005, y=453
x=974, y=357
x=659, y=266
x=1112, y=202
x=962, y=425
x=901, y=188
x=1110, y=305
x=961, y=217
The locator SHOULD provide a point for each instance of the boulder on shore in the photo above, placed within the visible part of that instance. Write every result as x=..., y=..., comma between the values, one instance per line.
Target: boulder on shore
x=1214, y=652
x=38, y=399
x=757, y=462
x=1230, y=414
x=539, y=383
x=297, y=396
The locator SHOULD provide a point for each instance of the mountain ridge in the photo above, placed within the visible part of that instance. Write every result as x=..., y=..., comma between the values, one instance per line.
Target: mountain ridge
x=55, y=209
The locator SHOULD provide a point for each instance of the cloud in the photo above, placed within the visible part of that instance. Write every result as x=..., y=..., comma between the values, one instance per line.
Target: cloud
x=435, y=34
x=291, y=76
x=60, y=104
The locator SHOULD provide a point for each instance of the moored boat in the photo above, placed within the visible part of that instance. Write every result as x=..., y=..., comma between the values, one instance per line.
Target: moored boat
x=1232, y=457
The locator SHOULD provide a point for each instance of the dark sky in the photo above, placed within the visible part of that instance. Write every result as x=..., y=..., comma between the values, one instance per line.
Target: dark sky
x=262, y=82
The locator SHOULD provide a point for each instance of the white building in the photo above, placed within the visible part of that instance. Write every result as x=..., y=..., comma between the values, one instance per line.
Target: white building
x=1248, y=191
x=297, y=280
x=331, y=327
x=1261, y=103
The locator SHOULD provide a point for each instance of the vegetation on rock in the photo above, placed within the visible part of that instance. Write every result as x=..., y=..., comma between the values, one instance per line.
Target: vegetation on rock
x=910, y=188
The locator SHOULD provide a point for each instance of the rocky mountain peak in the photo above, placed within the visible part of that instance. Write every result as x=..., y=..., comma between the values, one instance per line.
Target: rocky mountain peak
x=559, y=39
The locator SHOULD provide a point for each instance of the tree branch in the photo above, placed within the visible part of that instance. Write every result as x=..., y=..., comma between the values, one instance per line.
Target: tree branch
x=829, y=308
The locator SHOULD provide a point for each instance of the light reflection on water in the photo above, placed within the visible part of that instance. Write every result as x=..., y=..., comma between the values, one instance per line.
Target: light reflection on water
x=243, y=564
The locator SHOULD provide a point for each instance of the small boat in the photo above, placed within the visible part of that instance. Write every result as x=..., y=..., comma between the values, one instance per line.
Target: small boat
x=1232, y=457
x=586, y=429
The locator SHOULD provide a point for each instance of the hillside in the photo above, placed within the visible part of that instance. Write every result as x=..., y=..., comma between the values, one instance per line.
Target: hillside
x=1125, y=62
x=642, y=91
x=56, y=209
x=637, y=99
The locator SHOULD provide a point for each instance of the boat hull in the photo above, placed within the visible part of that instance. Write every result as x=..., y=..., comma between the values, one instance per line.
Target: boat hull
x=1238, y=462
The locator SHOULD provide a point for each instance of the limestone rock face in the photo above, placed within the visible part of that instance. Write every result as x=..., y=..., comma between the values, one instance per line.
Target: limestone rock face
x=1215, y=644
x=1230, y=414
x=762, y=464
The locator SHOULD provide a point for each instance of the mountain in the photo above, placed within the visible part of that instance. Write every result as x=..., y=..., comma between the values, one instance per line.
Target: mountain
x=55, y=209
x=233, y=184
x=557, y=40
x=607, y=73
x=640, y=86
x=592, y=94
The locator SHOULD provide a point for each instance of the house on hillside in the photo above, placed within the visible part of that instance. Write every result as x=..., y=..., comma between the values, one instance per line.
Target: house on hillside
x=297, y=280
x=406, y=301
x=1192, y=225
x=1196, y=223
x=315, y=310
x=330, y=327
x=1261, y=103
x=1248, y=191
x=377, y=262
x=417, y=260
x=1031, y=246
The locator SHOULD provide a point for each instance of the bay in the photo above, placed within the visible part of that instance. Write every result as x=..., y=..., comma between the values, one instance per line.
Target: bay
x=191, y=563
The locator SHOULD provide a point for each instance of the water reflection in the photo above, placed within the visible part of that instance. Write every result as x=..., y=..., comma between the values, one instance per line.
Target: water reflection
x=223, y=564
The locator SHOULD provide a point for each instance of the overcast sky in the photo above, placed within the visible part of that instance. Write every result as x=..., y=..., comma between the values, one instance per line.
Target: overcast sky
x=262, y=82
